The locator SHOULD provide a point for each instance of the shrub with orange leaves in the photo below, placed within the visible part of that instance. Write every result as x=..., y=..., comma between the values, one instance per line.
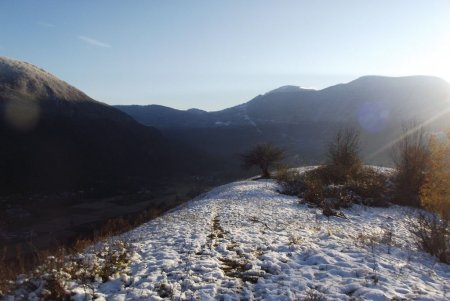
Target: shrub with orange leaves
x=435, y=193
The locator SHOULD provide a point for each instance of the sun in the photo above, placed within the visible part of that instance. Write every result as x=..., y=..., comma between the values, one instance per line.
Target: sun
x=432, y=59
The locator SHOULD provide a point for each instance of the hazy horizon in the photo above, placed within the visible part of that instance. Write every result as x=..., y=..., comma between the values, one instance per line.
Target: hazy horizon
x=275, y=88
x=213, y=55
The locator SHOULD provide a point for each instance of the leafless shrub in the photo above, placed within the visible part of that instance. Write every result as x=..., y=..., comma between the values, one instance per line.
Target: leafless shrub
x=343, y=157
x=368, y=183
x=370, y=187
x=338, y=196
x=327, y=210
x=291, y=181
x=314, y=190
x=411, y=157
x=432, y=235
x=342, y=181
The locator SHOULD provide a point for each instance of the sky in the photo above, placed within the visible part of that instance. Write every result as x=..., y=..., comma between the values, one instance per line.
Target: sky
x=215, y=54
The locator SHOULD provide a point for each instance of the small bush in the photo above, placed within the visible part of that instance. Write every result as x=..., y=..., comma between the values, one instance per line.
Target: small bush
x=314, y=190
x=291, y=181
x=335, y=174
x=342, y=197
x=343, y=163
x=367, y=187
x=341, y=182
x=370, y=187
x=368, y=183
x=433, y=236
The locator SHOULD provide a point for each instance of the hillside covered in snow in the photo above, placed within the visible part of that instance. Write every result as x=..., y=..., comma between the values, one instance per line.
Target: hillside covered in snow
x=247, y=241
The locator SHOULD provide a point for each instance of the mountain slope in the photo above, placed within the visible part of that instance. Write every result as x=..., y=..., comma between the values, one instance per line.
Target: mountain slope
x=301, y=120
x=399, y=97
x=55, y=138
x=165, y=116
x=246, y=241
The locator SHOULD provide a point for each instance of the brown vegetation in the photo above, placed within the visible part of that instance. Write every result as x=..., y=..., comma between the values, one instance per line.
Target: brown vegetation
x=343, y=157
x=435, y=193
x=342, y=181
x=411, y=158
x=46, y=261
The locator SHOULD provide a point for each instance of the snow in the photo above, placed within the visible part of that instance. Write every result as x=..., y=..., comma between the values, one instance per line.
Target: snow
x=246, y=241
x=221, y=123
x=244, y=112
x=34, y=80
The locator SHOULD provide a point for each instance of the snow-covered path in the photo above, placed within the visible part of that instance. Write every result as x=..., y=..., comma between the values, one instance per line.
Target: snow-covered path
x=246, y=241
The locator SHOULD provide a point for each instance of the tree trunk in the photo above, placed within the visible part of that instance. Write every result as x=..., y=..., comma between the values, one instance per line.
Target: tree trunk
x=265, y=173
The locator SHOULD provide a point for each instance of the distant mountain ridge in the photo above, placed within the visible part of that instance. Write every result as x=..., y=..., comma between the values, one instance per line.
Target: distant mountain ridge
x=292, y=101
x=56, y=138
x=302, y=119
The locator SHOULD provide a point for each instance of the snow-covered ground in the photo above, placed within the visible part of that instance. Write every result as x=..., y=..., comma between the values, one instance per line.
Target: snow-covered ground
x=246, y=241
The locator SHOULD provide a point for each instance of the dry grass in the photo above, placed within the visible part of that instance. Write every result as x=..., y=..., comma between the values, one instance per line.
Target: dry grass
x=49, y=280
x=314, y=295
x=45, y=261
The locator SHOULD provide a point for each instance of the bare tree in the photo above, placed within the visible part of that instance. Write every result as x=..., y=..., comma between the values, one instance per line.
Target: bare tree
x=411, y=157
x=344, y=149
x=343, y=154
x=263, y=156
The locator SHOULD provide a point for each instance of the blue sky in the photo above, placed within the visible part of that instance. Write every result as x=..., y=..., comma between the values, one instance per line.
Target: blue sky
x=215, y=54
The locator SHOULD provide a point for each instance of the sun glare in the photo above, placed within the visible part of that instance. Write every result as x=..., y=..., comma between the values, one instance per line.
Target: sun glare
x=431, y=60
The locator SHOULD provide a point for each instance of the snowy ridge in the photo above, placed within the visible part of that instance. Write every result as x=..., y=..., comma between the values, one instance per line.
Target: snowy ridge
x=246, y=241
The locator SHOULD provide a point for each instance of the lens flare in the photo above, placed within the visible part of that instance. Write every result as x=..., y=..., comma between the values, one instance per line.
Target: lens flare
x=373, y=116
x=410, y=131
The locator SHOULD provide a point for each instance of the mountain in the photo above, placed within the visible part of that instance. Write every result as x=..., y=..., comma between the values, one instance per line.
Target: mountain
x=166, y=117
x=56, y=138
x=301, y=120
